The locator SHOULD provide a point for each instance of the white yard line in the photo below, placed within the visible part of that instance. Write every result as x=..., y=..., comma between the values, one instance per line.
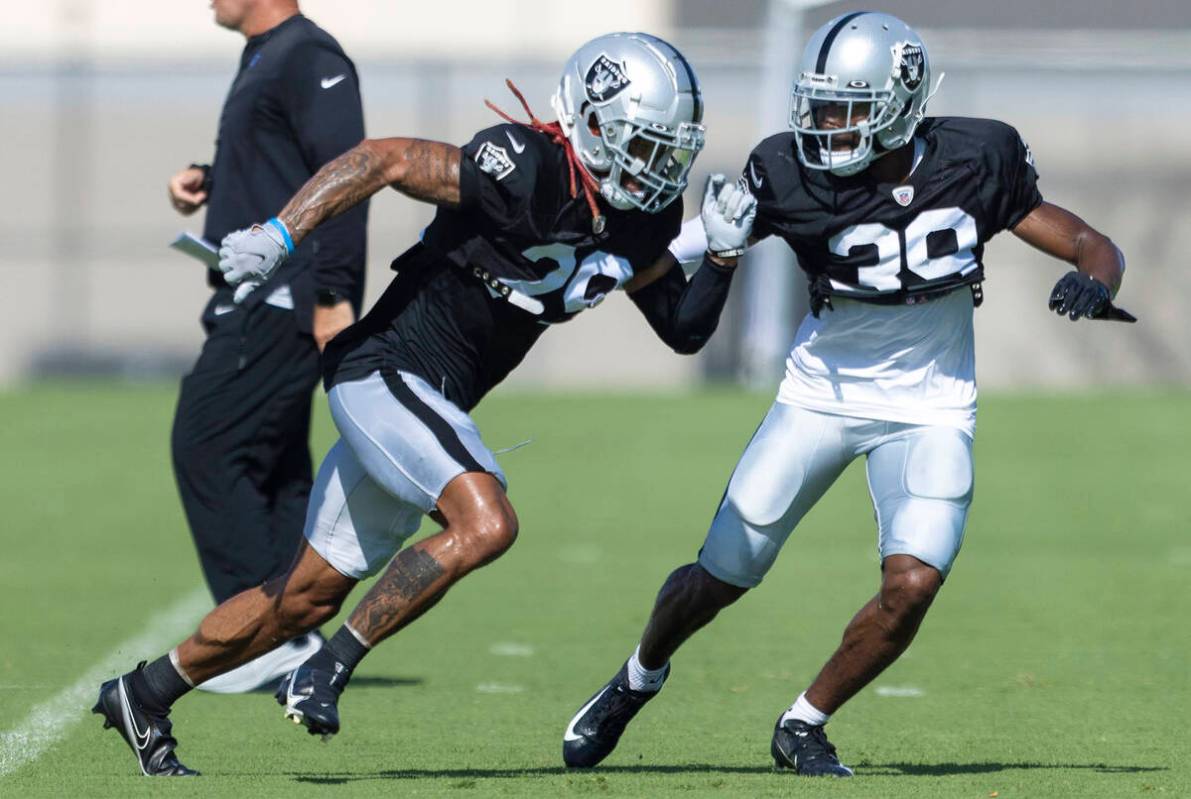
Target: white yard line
x=499, y=688
x=49, y=722
x=511, y=649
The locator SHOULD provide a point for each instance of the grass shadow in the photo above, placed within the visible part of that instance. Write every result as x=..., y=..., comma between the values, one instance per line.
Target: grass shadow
x=949, y=769
x=864, y=769
x=514, y=773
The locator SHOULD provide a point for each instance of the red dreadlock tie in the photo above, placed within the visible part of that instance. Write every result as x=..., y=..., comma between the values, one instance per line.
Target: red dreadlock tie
x=554, y=130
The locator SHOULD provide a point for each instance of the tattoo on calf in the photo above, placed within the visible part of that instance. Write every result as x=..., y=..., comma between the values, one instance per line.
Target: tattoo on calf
x=390, y=603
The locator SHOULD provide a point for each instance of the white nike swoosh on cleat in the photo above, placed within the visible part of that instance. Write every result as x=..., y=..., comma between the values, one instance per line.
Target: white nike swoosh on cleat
x=753, y=171
x=570, y=735
x=140, y=740
x=327, y=83
x=518, y=147
x=292, y=699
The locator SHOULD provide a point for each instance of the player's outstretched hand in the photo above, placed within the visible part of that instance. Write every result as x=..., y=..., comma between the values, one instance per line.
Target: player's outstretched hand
x=248, y=257
x=1080, y=296
x=729, y=210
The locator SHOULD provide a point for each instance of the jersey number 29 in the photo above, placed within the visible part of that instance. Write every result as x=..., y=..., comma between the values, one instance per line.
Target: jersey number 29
x=580, y=284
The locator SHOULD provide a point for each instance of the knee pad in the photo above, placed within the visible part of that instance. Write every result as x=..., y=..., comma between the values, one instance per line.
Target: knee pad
x=739, y=552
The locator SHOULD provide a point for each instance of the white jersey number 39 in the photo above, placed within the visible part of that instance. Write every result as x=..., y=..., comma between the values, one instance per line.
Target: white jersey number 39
x=883, y=276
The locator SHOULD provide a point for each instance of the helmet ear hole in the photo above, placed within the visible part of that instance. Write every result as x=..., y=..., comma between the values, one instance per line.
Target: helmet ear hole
x=593, y=124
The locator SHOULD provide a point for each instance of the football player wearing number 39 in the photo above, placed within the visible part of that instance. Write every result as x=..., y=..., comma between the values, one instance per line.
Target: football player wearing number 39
x=888, y=212
x=536, y=222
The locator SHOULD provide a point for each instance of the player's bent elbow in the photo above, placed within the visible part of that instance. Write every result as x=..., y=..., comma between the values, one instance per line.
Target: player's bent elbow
x=686, y=345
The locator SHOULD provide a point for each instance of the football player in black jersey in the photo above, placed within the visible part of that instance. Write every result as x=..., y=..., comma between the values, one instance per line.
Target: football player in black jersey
x=536, y=222
x=888, y=212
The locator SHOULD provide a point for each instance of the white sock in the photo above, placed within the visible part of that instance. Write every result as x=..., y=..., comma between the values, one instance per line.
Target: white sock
x=641, y=678
x=802, y=710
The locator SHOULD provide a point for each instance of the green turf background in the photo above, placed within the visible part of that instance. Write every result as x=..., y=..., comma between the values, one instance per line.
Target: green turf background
x=1056, y=661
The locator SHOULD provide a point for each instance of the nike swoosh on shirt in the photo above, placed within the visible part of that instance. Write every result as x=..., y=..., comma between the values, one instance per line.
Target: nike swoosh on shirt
x=327, y=83
x=753, y=172
x=518, y=147
x=570, y=735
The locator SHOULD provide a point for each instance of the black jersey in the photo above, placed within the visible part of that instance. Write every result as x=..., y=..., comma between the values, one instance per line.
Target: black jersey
x=897, y=243
x=517, y=223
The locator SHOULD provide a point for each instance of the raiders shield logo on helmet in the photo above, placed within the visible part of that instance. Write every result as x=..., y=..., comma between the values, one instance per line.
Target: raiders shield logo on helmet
x=605, y=79
x=911, y=69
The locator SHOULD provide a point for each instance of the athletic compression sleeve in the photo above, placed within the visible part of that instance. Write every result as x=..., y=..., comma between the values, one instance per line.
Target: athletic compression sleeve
x=684, y=313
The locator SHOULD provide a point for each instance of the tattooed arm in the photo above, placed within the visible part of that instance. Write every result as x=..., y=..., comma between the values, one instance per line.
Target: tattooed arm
x=424, y=170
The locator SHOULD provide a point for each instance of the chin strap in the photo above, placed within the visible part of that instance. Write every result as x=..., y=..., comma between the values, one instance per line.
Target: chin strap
x=590, y=185
x=930, y=96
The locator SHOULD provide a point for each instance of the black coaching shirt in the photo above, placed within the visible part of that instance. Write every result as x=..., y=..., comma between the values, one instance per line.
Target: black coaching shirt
x=293, y=106
x=518, y=222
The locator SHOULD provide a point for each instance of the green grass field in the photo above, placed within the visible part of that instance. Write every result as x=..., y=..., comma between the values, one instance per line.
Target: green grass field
x=1056, y=661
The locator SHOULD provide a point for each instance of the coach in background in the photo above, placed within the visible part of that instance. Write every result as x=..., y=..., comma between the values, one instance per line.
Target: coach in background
x=240, y=432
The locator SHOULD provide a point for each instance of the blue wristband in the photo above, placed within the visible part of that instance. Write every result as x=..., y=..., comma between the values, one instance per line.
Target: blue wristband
x=280, y=227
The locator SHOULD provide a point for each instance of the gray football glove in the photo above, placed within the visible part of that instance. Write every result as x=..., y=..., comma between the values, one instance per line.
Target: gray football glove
x=248, y=257
x=728, y=212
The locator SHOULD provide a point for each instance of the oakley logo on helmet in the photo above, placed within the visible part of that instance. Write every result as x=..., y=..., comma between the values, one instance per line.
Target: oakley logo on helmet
x=911, y=68
x=605, y=79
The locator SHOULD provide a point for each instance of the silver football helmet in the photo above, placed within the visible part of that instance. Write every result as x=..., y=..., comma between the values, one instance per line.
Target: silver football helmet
x=631, y=106
x=862, y=89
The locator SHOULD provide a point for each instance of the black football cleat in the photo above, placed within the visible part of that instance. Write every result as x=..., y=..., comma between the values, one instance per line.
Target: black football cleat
x=147, y=735
x=310, y=696
x=595, y=730
x=805, y=749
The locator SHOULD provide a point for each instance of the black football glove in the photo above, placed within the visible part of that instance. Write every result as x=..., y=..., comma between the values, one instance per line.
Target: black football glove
x=1080, y=296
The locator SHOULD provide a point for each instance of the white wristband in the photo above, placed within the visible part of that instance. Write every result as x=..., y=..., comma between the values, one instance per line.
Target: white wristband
x=691, y=242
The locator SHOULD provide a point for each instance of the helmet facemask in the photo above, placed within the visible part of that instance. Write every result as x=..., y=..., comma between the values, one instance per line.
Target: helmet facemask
x=649, y=163
x=822, y=116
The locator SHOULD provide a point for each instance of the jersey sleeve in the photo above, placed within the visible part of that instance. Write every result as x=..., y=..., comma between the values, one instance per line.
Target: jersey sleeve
x=760, y=183
x=1014, y=184
x=499, y=173
x=321, y=99
x=659, y=232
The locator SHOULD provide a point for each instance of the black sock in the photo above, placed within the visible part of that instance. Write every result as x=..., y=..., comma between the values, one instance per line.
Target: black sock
x=343, y=648
x=157, y=686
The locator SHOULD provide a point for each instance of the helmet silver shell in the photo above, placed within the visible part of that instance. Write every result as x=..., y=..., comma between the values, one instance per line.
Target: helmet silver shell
x=858, y=61
x=631, y=106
